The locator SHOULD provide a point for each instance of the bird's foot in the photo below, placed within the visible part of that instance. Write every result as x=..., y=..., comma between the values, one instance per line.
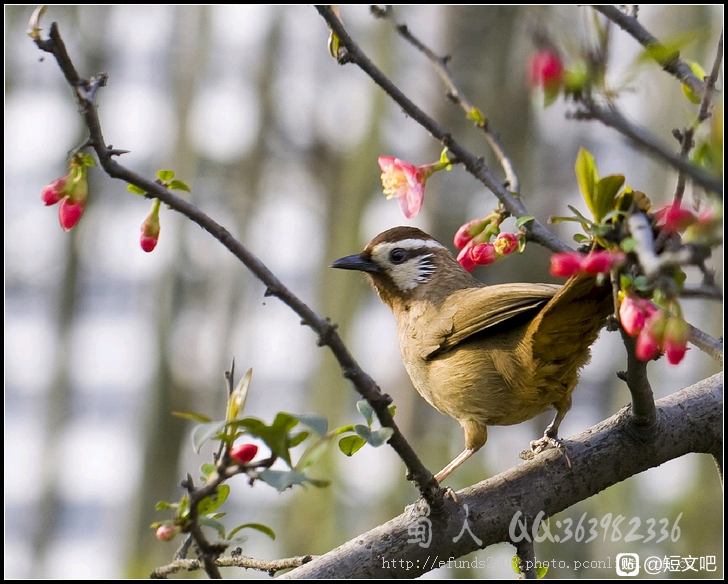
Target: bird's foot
x=538, y=446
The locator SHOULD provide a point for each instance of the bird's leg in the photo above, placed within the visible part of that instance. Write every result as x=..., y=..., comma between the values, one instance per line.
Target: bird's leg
x=457, y=461
x=475, y=436
x=550, y=435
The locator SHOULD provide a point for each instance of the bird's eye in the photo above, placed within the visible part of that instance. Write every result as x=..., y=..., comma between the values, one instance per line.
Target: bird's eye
x=397, y=256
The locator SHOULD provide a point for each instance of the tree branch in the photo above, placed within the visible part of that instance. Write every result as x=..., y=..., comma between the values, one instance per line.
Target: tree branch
x=690, y=420
x=325, y=329
x=233, y=561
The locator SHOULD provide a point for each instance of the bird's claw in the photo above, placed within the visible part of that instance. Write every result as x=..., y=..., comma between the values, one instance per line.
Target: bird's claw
x=538, y=446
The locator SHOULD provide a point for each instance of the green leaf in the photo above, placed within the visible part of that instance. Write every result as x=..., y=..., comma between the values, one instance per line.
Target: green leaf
x=88, y=160
x=195, y=417
x=283, y=479
x=541, y=570
x=551, y=94
x=642, y=284
x=700, y=74
x=275, y=436
x=209, y=504
x=257, y=526
x=314, y=452
x=215, y=524
x=179, y=185
x=587, y=176
x=605, y=195
x=296, y=439
x=581, y=238
x=165, y=175
x=136, y=190
x=183, y=509
x=207, y=469
x=204, y=432
x=392, y=409
x=363, y=431
x=523, y=220
x=628, y=244
x=316, y=422
x=351, y=444
x=515, y=564
x=237, y=398
x=380, y=437
x=365, y=410
x=165, y=505
x=580, y=217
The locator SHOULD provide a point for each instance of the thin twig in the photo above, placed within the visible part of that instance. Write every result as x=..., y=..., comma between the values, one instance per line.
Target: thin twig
x=674, y=65
x=474, y=165
x=233, y=561
x=611, y=117
x=455, y=94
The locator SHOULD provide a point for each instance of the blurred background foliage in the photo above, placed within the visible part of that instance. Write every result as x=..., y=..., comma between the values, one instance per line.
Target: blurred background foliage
x=279, y=144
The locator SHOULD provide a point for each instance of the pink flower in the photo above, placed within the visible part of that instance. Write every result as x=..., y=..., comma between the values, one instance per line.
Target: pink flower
x=150, y=229
x=673, y=218
x=505, y=243
x=243, y=453
x=55, y=191
x=545, y=69
x=406, y=182
x=167, y=532
x=469, y=230
x=565, y=264
x=600, y=262
x=675, y=340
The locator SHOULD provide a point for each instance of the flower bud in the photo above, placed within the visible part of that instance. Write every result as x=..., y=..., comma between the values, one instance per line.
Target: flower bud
x=676, y=339
x=482, y=254
x=545, y=70
x=600, y=262
x=150, y=229
x=167, y=532
x=631, y=316
x=243, y=453
x=465, y=260
x=650, y=337
x=54, y=192
x=565, y=264
x=69, y=212
x=468, y=231
x=674, y=218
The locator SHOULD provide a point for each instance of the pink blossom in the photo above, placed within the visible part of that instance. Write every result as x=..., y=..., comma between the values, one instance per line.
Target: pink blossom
x=469, y=230
x=673, y=218
x=482, y=254
x=600, y=262
x=167, y=532
x=406, y=182
x=55, y=191
x=545, y=69
x=675, y=340
x=69, y=212
x=465, y=260
x=505, y=243
x=565, y=264
x=649, y=340
x=150, y=229
x=631, y=316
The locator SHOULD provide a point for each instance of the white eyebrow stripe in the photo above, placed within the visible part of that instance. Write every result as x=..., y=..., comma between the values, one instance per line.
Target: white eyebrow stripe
x=410, y=244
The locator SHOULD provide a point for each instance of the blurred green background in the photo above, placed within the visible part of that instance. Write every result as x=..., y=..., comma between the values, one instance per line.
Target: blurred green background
x=279, y=144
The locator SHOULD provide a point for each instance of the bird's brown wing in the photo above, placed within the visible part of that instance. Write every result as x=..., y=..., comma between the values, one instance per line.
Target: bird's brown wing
x=571, y=320
x=470, y=311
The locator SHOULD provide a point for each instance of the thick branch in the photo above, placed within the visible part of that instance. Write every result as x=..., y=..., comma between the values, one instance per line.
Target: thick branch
x=475, y=166
x=233, y=561
x=690, y=420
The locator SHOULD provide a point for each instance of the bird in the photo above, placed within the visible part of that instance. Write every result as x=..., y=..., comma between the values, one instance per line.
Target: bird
x=486, y=355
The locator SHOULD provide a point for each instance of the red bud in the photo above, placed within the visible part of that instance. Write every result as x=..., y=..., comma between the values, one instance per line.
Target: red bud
x=243, y=453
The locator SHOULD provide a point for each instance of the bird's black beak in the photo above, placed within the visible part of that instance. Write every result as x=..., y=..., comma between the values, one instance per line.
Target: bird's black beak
x=356, y=262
